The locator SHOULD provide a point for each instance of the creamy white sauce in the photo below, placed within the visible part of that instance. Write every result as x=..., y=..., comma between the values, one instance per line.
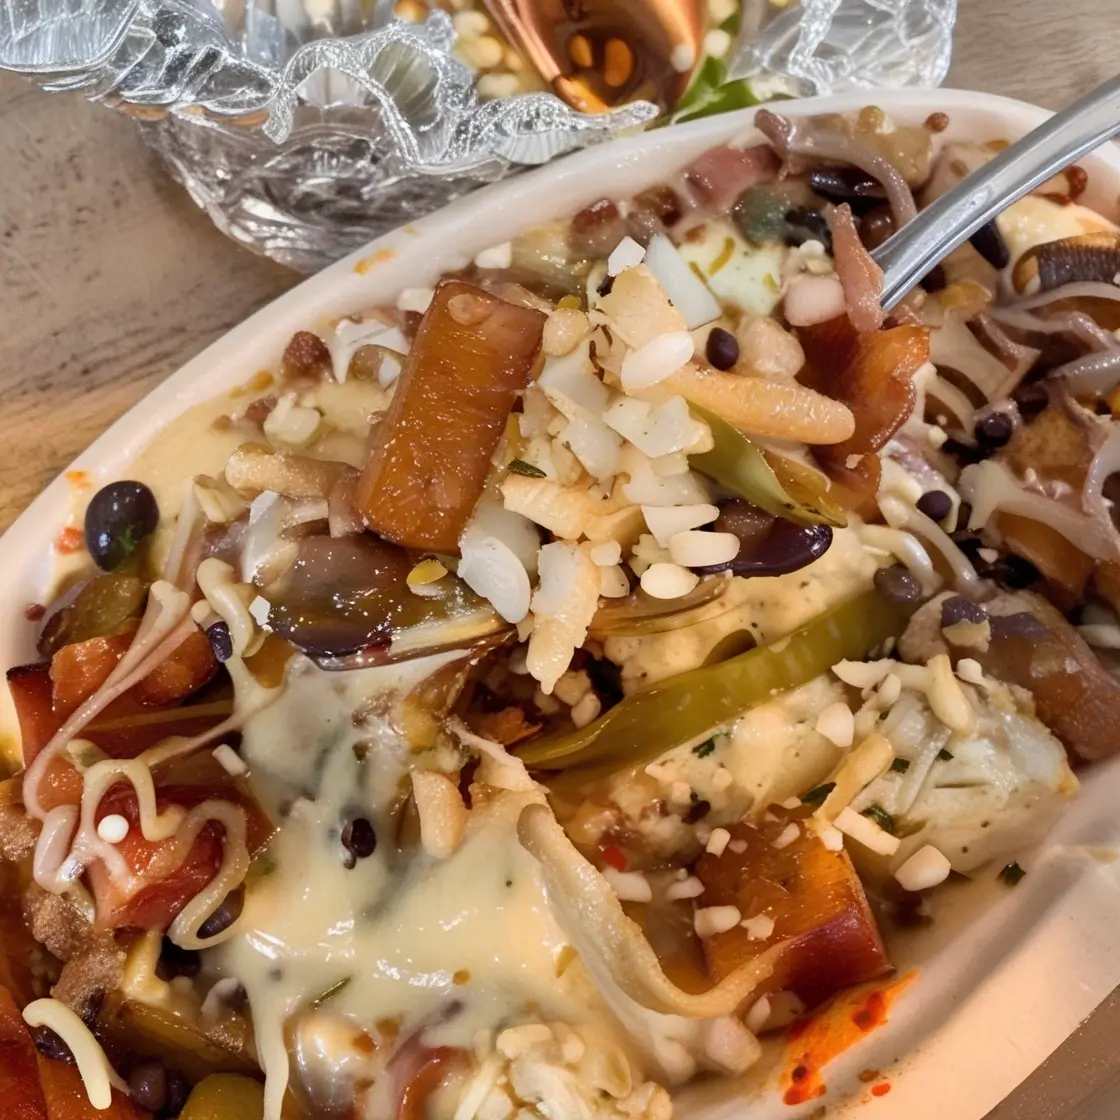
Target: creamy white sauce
x=448, y=947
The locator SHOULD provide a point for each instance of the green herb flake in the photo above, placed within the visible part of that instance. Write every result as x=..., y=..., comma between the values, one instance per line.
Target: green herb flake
x=705, y=748
x=881, y=817
x=318, y=1001
x=900, y=765
x=1012, y=875
x=944, y=756
x=816, y=795
x=519, y=466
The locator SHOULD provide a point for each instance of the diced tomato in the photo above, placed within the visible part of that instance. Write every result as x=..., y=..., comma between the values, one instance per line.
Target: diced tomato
x=19, y=1068
x=164, y=894
x=69, y=540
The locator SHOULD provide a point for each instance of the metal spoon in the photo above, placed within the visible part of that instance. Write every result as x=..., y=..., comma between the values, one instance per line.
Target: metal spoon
x=915, y=249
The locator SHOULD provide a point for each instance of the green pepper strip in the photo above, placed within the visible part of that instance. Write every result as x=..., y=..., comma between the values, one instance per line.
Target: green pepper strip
x=648, y=723
x=739, y=466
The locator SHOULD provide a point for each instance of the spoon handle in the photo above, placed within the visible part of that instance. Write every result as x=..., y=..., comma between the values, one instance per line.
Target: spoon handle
x=909, y=254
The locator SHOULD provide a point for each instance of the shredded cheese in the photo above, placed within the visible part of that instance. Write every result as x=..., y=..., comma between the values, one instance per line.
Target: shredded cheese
x=98, y=1076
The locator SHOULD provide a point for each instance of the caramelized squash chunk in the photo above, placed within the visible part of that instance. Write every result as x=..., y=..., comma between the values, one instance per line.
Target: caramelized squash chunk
x=432, y=449
x=816, y=901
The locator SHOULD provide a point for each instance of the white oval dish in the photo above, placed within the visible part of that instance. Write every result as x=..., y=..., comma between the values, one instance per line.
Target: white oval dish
x=998, y=990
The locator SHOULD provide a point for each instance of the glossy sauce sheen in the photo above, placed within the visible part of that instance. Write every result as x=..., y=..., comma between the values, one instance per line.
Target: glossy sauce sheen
x=399, y=926
x=472, y=354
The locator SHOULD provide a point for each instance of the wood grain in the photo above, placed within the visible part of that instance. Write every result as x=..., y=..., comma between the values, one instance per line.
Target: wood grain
x=111, y=278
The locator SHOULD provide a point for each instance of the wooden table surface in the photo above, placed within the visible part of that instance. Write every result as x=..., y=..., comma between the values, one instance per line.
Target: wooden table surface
x=111, y=278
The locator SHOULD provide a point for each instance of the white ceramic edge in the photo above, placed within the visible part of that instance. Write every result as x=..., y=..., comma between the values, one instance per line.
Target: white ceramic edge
x=992, y=1006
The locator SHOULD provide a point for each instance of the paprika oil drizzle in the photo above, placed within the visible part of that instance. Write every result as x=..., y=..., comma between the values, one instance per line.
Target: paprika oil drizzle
x=818, y=1039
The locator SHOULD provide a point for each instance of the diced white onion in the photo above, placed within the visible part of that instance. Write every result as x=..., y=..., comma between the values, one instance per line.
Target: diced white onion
x=926, y=868
x=684, y=888
x=606, y=554
x=230, y=761
x=626, y=254
x=690, y=295
x=694, y=548
x=729, y=1045
x=613, y=582
x=497, y=256
x=657, y=359
x=630, y=886
x=490, y=568
x=837, y=724
x=787, y=836
x=665, y=522
x=415, y=299
x=711, y=920
x=259, y=608
x=758, y=928
x=668, y=581
x=717, y=842
x=758, y=1015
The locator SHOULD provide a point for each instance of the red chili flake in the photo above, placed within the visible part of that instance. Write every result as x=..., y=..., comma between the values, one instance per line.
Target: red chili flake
x=614, y=856
x=78, y=479
x=881, y=1090
x=937, y=122
x=69, y=540
x=34, y=611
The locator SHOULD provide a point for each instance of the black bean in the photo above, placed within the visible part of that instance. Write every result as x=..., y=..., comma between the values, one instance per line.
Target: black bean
x=226, y=914
x=971, y=547
x=768, y=545
x=936, y=505
x=175, y=961
x=1014, y=572
x=697, y=812
x=722, y=349
x=50, y=1045
x=118, y=518
x=958, y=609
x=358, y=838
x=897, y=585
x=989, y=243
x=994, y=430
x=847, y=184
x=147, y=1085
x=177, y=1092
x=605, y=287
x=221, y=642
x=803, y=224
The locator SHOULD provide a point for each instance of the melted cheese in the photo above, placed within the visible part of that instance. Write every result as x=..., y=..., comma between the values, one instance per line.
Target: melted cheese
x=448, y=946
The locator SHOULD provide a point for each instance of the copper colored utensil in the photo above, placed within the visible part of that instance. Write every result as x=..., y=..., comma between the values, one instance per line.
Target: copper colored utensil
x=597, y=53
